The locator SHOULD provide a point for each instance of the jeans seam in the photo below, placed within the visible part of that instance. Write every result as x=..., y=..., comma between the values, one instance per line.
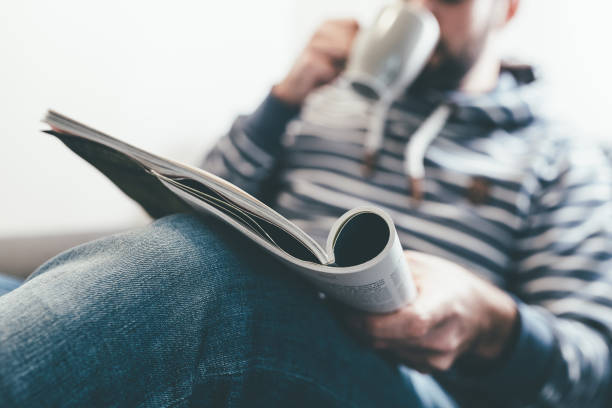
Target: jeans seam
x=302, y=378
x=288, y=374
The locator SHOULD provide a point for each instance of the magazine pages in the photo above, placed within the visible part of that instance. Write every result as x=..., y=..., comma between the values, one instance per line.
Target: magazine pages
x=362, y=264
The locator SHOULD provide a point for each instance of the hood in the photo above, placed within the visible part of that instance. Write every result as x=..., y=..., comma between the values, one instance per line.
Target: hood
x=509, y=106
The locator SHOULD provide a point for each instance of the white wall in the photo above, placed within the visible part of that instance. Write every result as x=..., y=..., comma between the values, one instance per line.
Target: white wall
x=170, y=77
x=569, y=40
x=166, y=76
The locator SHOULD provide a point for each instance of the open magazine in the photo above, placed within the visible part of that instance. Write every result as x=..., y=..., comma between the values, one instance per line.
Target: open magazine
x=362, y=264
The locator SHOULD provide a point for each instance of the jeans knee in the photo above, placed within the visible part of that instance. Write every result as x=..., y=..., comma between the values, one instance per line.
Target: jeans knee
x=206, y=251
x=186, y=264
x=177, y=245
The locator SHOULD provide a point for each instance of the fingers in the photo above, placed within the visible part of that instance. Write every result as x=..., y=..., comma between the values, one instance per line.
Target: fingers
x=426, y=361
x=320, y=68
x=422, y=359
x=335, y=38
x=405, y=324
x=418, y=356
x=335, y=55
x=329, y=49
x=442, y=322
x=321, y=61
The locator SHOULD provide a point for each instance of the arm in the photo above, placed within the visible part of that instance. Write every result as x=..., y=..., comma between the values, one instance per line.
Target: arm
x=563, y=288
x=248, y=154
x=549, y=345
x=565, y=275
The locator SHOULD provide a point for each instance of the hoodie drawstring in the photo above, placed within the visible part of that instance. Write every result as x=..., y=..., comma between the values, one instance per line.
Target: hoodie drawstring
x=376, y=132
x=414, y=153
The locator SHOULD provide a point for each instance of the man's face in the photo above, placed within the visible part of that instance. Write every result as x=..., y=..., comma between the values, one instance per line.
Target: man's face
x=465, y=26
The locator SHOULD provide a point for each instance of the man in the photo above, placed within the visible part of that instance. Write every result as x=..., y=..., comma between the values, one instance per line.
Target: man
x=514, y=301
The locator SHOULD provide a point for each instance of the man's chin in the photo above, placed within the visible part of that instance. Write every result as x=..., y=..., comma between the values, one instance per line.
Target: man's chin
x=437, y=80
x=442, y=73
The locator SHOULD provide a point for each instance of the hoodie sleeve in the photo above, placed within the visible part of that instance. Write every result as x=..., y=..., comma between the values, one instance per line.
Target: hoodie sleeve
x=565, y=276
x=248, y=154
x=563, y=286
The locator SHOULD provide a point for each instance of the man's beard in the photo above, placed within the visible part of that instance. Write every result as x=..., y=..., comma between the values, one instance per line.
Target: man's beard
x=446, y=71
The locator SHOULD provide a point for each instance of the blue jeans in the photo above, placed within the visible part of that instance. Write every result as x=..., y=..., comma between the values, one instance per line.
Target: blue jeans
x=186, y=313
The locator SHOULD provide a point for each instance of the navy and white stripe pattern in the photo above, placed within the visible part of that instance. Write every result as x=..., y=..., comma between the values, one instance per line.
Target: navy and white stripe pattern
x=543, y=231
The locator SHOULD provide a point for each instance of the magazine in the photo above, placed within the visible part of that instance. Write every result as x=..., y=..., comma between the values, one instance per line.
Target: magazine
x=362, y=264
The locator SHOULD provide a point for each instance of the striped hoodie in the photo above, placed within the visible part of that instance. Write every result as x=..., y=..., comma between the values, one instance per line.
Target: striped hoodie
x=507, y=192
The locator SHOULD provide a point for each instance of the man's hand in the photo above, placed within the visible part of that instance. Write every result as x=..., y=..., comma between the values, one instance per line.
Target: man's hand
x=320, y=62
x=454, y=313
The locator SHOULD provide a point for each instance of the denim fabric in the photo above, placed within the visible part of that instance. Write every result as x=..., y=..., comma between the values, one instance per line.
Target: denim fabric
x=8, y=283
x=185, y=313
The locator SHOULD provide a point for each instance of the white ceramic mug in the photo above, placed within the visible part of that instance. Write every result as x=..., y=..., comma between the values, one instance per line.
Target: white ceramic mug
x=388, y=55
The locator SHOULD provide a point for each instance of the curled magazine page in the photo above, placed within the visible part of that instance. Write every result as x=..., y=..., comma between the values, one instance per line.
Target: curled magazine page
x=370, y=271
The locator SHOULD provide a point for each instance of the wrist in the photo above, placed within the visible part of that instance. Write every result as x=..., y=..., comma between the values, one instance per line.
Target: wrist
x=499, y=327
x=267, y=124
x=287, y=94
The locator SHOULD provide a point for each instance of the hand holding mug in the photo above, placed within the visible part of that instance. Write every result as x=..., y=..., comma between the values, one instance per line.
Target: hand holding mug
x=322, y=60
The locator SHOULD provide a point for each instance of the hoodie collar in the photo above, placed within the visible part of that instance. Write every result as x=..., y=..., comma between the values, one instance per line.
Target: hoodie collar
x=509, y=106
